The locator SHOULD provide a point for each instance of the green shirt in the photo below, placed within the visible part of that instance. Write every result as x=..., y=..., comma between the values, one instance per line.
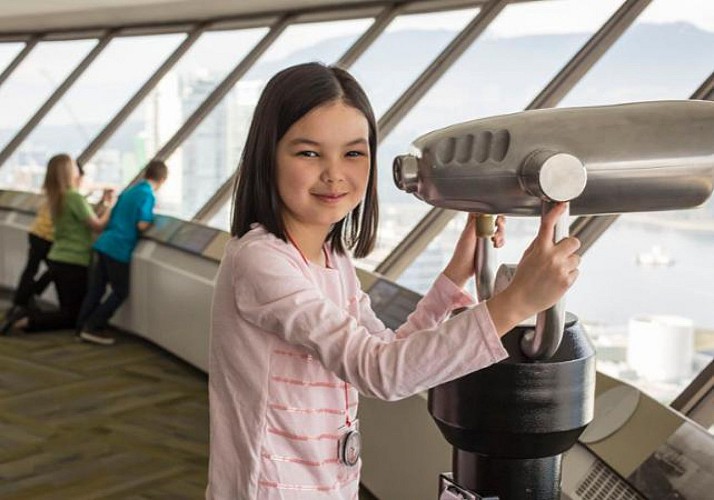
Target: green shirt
x=73, y=237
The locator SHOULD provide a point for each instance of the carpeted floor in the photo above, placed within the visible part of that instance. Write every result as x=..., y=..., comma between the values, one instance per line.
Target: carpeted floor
x=80, y=421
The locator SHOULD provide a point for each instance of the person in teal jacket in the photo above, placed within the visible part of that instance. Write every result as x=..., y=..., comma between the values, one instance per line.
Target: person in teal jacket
x=133, y=213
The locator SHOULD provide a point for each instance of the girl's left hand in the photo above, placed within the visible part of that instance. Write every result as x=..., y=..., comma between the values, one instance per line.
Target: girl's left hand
x=461, y=266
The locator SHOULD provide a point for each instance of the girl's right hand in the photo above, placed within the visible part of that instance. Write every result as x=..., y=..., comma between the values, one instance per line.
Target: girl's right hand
x=543, y=275
x=109, y=196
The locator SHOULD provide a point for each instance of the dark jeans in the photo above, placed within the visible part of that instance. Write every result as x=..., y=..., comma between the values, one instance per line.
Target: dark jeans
x=71, y=283
x=95, y=312
x=28, y=287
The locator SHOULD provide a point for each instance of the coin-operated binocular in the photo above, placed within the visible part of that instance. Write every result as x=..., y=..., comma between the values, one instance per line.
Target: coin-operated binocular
x=510, y=423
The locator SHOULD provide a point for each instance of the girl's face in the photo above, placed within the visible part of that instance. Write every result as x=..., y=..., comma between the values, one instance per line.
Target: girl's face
x=323, y=164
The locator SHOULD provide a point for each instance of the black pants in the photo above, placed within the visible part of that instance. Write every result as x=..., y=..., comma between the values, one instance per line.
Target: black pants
x=28, y=286
x=95, y=312
x=71, y=283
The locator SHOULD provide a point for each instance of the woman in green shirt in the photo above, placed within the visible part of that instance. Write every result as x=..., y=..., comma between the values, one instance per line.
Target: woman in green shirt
x=70, y=256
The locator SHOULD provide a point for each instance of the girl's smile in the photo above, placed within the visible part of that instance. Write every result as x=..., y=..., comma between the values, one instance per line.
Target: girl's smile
x=330, y=197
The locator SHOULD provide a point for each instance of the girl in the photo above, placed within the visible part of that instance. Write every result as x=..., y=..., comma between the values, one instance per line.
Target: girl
x=293, y=338
x=69, y=258
x=40, y=238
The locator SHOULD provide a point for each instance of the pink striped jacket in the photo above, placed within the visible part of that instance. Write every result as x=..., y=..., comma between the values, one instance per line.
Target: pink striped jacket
x=292, y=345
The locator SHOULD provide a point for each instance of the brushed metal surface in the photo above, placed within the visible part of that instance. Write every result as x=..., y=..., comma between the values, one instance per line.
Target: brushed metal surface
x=638, y=157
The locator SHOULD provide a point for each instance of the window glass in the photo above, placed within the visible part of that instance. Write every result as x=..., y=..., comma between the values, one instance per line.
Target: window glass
x=670, y=43
x=210, y=155
x=643, y=296
x=222, y=219
x=8, y=51
x=27, y=89
x=172, y=101
x=93, y=100
x=401, y=48
x=502, y=72
x=655, y=328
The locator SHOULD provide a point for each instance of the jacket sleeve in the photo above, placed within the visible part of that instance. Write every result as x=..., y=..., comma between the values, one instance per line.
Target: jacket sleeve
x=272, y=293
x=438, y=303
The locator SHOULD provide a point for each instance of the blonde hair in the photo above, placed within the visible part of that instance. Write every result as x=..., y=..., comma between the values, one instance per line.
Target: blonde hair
x=58, y=180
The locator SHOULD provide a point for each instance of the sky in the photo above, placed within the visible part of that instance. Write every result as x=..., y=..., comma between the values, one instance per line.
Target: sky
x=521, y=19
x=546, y=16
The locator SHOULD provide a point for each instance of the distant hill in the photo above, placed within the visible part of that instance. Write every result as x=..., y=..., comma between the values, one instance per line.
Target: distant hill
x=636, y=61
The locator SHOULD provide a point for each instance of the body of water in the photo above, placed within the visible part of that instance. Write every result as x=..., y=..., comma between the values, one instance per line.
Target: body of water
x=612, y=286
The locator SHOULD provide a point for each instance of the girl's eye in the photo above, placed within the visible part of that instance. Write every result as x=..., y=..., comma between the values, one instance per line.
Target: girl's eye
x=308, y=154
x=355, y=154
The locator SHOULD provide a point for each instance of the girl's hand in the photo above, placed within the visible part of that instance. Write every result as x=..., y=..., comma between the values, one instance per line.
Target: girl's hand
x=461, y=266
x=544, y=274
x=109, y=198
x=108, y=195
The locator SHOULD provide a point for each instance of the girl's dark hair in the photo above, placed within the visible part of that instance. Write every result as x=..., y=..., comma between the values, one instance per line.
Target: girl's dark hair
x=288, y=96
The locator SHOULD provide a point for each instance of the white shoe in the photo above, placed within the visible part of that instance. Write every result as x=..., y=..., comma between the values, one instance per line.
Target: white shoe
x=97, y=338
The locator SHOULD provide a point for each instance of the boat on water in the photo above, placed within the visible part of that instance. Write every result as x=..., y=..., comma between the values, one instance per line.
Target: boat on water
x=654, y=257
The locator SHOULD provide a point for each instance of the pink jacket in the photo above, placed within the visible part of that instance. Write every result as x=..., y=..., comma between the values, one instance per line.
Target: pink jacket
x=292, y=345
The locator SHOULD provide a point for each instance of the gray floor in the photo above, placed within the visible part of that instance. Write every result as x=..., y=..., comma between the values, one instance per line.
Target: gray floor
x=79, y=421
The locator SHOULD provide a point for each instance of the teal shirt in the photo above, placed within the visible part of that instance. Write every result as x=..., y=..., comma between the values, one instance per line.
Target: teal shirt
x=73, y=237
x=135, y=205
